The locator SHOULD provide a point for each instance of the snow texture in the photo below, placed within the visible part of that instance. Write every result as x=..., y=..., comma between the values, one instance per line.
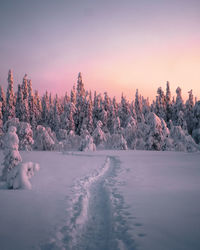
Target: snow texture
x=105, y=200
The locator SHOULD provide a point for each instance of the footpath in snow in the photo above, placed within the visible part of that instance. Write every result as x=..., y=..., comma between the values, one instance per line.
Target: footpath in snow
x=98, y=218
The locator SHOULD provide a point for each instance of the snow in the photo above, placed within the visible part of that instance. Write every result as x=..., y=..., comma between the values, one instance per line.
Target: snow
x=28, y=217
x=162, y=190
x=105, y=200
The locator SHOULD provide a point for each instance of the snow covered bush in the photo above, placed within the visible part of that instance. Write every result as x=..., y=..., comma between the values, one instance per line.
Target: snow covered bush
x=43, y=141
x=25, y=134
x=12, y=157
x=19, y=177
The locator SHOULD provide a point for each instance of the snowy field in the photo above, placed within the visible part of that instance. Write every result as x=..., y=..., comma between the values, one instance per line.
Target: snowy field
x=106, y=200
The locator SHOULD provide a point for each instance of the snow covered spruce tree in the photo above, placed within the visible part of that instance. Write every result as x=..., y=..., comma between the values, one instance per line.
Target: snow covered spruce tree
x=16, y=174
x=3, y=103
x=99, y=136
x=80, y=104
x=189, y=112
x=12, y=157
x=155, y=135
x=25, y=134
x=161, y=104
x=168, y=103
x=1, y=125
x=31, y=105
x=178, y=106
x=10, y=98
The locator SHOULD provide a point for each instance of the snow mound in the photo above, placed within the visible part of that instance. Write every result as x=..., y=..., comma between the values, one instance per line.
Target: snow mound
x=19, y=177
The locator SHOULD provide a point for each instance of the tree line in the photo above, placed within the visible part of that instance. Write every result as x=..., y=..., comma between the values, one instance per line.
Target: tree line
x=99, y=118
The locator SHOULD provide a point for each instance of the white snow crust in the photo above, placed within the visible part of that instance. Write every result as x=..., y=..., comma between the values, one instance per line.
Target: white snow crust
x=105, y=200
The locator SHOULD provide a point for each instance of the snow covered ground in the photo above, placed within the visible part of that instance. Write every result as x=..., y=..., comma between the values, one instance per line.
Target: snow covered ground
x=105, y=200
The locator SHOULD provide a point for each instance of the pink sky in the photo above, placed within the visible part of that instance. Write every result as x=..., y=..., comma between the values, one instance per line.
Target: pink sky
x=118, y=46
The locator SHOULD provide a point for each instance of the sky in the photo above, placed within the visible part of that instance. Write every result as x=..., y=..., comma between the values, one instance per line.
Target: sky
x=118, y=45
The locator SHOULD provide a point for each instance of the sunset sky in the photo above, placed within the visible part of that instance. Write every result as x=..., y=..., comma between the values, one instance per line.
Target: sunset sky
x=118, y=45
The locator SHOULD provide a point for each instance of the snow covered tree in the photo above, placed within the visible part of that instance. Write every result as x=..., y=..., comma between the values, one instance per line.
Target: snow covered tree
x=1, y=126
x=73, y=95
x=168, y=103
x=25, y=87
x=88, y=120
x=87, y=143
x=72, y=142
x=3, y=102
x=19, y=177
x=124, y=111
x=99, y=136
x=38, y=108
x=189, y=112
x=31, y=105
x=117, y=126
x=1, y=120
x=117, y=141
x=178, y=106
x=45, y=109
x=111, y=118
x=196, y=122
x=80, y=104
x=10, y=108
x=103, y=115
x=25, y=134
x=160, y=104
x=181, y=120
x=138, y=107
x=12, y=122
x=55, y=121
x=42, y=140
x=21, y=109
x=12, y=157
x=130, y=132
x=182, y=141
x=155, y=135
x=67, y=117
x=145, y=107
x=97, y=109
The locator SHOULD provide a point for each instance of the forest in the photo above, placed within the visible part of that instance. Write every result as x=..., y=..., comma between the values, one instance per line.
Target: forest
x=82, y=120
